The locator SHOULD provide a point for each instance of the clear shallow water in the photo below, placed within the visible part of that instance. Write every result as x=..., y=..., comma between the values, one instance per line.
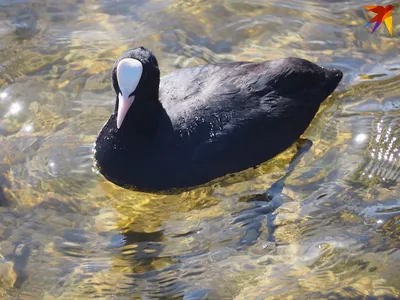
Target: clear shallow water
x=66, y=233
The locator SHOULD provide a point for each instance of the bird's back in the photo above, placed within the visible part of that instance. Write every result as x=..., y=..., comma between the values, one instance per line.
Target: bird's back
x=229, y=116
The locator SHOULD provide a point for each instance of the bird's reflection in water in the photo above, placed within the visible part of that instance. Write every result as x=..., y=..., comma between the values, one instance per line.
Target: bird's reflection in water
x=144, y=251
x=266, y=203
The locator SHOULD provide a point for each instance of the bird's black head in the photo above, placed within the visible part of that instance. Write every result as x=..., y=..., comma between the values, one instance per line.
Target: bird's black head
x=135, y=75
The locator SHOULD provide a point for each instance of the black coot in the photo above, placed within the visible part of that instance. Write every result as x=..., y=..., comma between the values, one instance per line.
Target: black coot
x=201, y=123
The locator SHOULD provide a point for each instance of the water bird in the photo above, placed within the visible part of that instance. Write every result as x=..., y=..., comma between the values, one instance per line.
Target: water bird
x=198, y=124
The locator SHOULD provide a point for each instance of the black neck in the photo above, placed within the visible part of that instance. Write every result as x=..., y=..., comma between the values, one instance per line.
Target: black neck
x=143, y=116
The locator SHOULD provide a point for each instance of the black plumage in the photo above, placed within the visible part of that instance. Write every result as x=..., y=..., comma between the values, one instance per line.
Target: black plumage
x=198, y=124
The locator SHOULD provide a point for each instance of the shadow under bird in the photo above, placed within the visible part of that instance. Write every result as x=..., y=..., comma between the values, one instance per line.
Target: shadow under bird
x=198, y=124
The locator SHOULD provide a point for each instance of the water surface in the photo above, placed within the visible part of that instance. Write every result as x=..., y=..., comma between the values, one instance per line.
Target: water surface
x=332, y=232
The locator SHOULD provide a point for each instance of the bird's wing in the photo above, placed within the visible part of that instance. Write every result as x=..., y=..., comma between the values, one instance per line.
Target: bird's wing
x=214, y=106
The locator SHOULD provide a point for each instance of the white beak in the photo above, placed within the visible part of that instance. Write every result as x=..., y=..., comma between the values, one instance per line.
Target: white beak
x=129, y=72
x=124, y=103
